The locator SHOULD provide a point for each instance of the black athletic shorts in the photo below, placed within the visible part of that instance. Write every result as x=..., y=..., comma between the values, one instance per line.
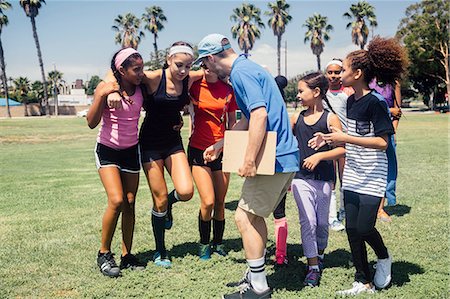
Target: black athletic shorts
x=127, y=160
x=150, y=155
x=195, y=158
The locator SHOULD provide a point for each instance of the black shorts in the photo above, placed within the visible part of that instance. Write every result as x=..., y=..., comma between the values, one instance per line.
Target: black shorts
x=127, y=160
x=151, y=155
x=195, y=158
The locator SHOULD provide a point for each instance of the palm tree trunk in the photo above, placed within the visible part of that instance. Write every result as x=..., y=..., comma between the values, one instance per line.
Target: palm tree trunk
x=41, y=65
x=279, y=53
x=318, y=62
x=3, y=78
x=155, y=45
x=25, y=107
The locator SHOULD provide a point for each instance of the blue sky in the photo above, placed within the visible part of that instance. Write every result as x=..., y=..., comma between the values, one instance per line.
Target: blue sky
x=76, y=36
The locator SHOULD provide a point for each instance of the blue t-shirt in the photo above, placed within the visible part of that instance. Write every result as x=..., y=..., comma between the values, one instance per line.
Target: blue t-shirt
x=254, y=87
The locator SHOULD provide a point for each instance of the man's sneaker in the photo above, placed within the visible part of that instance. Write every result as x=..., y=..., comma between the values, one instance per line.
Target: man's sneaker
x=312, y=278
x=219, y=249
x=204, y=251
x=357, y=288
x=341, y=215
x=281, y=261
x=161, y=261
x=383, y=276
x=129, y=261
x=337, y=226
x=107, y=264
x=248, y=292
x=241, y=283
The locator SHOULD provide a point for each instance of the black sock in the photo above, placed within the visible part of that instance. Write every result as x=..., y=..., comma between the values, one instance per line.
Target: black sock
x=218, y=229
x=204, y=227
x=158, y=224
x=171, y=198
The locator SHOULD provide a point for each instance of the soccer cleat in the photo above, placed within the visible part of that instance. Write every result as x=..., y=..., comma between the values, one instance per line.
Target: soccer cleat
x=248, y=292
x=312, y=278
x=204, y=251
x=337, y=226
x=129, y=261
x=383, y=276
x=162, y=261
x=107, y=264
x=219, y=249
x=357, y=288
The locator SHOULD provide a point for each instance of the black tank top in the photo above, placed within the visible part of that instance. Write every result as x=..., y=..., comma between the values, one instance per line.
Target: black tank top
x=324, y=171
x=162, y=113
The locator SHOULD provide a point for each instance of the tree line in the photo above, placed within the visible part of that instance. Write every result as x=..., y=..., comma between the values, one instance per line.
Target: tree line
x=423, y=31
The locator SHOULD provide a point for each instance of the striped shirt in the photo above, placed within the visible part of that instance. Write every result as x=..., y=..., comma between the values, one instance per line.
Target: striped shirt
x=365, y=170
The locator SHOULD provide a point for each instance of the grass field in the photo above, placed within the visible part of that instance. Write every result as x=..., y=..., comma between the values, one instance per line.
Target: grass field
x=52, y=202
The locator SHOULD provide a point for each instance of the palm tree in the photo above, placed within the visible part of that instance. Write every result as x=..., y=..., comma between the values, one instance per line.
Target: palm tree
x=128, y=30
x=279, y=18
x=247, y=28
x=55, y=78
x=4, y=5
x=317, y=34
x=31, y=8
x=37, y=90
x=154, y=17
x=21, y=89
x=359, y=13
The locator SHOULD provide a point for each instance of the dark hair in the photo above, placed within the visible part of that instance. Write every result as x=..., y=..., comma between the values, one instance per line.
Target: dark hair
x=126, y=64
x=385, y=59
x=178, y=43
x=282, y=82
x=318, y=80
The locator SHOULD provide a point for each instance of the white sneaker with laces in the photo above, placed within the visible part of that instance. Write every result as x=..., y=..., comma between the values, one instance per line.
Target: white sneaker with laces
x=337, y=226
x=357, y=288
x=383, y=276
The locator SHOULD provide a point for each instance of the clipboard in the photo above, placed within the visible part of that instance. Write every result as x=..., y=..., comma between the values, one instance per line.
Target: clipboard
x=235, y=145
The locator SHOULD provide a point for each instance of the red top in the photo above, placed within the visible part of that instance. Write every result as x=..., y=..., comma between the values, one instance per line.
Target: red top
x=212, y=102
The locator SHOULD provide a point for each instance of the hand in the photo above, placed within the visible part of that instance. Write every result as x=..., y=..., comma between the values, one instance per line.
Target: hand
x=211, y=153
x=336, y=137
x=396, y=112
x=317, y=141
x=108, y=87
x=248, y=169
x=114, y=100
x=311, y=162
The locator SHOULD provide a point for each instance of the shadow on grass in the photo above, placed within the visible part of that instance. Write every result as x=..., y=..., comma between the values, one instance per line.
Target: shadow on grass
x=231, y=205
x=339, y=258
x=401, y=271
x=398, y=210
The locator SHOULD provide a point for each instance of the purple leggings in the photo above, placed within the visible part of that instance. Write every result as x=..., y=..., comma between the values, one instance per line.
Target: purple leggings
x=313, y=202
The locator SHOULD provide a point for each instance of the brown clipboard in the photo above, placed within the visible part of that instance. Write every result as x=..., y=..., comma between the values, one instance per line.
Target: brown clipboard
x=235, y=145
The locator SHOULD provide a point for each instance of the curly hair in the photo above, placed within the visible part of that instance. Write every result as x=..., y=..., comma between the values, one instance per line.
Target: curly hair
x=384, y=59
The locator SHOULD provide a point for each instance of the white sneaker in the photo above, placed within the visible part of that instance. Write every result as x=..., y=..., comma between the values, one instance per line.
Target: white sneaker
x=383, y=276
x=358, y=288
x=337, y=226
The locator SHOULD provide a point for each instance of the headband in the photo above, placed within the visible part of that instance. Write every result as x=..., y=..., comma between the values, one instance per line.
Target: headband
x=181, y=49
x=334, y=61
x=123, y=55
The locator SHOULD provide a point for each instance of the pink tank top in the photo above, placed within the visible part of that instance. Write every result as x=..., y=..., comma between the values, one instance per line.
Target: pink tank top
x=119, y=128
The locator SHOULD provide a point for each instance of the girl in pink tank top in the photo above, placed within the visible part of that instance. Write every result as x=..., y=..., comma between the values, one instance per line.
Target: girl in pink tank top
x=117, y=155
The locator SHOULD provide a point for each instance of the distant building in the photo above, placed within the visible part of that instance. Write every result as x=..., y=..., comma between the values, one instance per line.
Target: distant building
x=76, y=96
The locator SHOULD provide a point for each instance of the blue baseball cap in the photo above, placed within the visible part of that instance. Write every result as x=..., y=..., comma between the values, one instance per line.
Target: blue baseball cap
x=212, y=44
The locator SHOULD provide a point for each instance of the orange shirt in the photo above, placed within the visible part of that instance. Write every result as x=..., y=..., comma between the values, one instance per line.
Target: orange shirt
x=212, y=102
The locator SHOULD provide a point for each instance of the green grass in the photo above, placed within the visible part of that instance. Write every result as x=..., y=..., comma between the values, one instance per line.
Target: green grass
x=52, y=201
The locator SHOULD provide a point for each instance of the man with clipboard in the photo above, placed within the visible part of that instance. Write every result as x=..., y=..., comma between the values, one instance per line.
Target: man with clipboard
x=263, y=110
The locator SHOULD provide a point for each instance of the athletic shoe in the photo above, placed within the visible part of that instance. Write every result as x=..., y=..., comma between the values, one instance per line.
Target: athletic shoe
x=204, y=251
x=241, y=283
x=383, y=276
x=281, y=261
x=321, y=266
x=219, y=249
x=357, y=288
x=341, y=215
x=129, y=261
x=169, y=217
x=161, y=261
x=248, y=292
x=337, y=226
x=383, y=216
x=312, y=278
x=107, y=264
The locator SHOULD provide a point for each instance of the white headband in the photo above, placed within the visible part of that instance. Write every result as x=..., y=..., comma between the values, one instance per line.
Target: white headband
x=334, y=61
x=181, y=49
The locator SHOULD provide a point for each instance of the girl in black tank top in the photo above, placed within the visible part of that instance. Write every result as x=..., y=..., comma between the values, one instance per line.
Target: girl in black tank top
x=311, y=186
